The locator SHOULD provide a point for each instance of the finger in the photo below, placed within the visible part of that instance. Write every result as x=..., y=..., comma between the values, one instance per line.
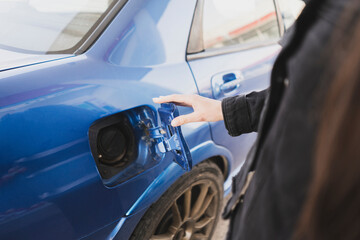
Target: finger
x=179, y=99
x=184, y=119
x=170, y=98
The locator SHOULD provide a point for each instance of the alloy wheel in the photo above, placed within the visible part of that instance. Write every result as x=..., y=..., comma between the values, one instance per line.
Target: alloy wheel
x=192, y=215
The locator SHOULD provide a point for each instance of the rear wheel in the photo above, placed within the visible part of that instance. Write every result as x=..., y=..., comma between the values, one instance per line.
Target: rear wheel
x=189, y=209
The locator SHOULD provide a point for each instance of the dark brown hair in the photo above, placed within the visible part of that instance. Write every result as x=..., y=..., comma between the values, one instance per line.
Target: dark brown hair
x=332, y=208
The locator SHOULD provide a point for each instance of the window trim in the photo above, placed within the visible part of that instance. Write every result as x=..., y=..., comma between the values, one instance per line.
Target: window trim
x=95, y=31
x=280, y=18
x=196, y=41
x=205, y=53
x=230, y=49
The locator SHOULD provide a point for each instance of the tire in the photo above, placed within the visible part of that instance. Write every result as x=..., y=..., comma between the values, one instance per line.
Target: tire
x=189, y=209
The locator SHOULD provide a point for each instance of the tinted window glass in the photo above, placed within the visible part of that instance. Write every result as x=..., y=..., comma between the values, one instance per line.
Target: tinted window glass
x=42, y=26
x=232, y=22
x=290, y=10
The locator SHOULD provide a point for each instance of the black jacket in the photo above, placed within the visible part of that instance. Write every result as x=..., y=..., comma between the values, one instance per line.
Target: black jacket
x=287, y=116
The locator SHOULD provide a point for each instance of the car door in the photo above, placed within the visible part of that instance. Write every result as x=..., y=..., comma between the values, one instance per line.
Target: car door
x=231, y=50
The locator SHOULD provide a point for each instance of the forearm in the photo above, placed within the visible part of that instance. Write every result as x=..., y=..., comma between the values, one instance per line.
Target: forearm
x=242, y=113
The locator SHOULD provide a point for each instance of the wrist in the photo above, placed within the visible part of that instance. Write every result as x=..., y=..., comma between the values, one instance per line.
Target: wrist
x=219, y=112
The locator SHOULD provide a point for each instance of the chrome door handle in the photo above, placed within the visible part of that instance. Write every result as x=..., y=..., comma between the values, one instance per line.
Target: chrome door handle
x=226, y=83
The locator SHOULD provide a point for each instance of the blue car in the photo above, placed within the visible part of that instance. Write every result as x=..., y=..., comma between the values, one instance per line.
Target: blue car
x=84, y=152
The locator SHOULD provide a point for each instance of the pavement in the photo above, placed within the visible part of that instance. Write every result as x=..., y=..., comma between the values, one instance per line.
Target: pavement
x=222, y=226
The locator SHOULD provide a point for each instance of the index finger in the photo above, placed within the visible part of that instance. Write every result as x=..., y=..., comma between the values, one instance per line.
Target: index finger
x=178, y=99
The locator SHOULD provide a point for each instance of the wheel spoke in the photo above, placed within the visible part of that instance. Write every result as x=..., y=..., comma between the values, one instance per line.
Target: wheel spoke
x=199, y=202
x=165, y=236
x=187, y=204
x=204, y=222
x=204, y=206
x=176, y=215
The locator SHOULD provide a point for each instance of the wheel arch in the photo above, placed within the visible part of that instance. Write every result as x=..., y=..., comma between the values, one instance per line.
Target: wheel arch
x=207, y=151
x=223, y=163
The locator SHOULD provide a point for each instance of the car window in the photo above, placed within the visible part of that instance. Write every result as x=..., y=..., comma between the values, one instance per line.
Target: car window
x=234, y=22
x=42, y=26
x=290, y=10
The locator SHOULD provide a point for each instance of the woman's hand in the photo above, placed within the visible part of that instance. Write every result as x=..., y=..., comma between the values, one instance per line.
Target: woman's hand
x=205, y=109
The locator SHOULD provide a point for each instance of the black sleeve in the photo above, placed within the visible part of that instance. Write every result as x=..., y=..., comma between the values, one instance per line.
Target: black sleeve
x=242, y=113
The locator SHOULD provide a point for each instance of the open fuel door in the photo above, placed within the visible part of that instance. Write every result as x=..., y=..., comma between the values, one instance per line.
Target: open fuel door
x=131, y=142
x=173, y=140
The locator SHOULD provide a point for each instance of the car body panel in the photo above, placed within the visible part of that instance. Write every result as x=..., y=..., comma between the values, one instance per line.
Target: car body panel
x=61, y=146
